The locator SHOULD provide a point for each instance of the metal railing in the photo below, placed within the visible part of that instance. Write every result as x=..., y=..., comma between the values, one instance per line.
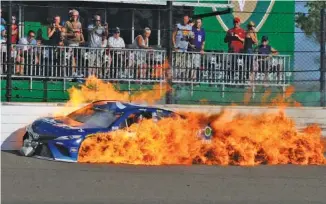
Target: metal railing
x=231, y=68
x=147, y=65
x=81, y=62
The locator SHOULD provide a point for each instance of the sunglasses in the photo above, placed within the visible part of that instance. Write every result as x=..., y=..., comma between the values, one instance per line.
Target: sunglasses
x=32, y=36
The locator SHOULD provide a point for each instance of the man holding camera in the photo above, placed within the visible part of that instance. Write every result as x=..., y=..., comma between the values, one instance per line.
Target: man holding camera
x=56, y=32
x=74, y=30
x=181, y=33
x=97, y=33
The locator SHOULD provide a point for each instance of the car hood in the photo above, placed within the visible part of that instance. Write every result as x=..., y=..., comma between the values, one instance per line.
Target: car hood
x=55, y=127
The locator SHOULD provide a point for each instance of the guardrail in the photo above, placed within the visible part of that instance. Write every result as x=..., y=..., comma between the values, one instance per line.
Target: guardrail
x=147, y=65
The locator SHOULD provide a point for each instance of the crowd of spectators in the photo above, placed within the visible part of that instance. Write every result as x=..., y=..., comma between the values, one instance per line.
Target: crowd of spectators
x=191, y=36
x=71, y=33
x=188, y=36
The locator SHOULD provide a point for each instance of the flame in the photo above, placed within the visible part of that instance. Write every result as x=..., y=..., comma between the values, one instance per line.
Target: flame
x=203, y=102
x=237, y=139
x=269, y=138
x=95, y=89
x=160, y=69
x=285, y=100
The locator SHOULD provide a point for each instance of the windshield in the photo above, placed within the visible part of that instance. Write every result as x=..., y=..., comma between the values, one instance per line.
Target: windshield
x=91, y=116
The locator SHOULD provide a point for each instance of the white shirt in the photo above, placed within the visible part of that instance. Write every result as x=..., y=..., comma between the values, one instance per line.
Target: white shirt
x=182, y=33
x=135, y=43
x=24, y=41
x=95, y=35
x=116, y=42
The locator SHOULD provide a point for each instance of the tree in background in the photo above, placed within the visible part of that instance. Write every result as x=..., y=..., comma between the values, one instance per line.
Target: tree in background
x=310, y=23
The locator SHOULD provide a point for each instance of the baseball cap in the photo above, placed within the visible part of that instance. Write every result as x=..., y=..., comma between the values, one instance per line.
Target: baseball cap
x=236, y=19
x=264, y=38
x=116, y=30
x=251, y=23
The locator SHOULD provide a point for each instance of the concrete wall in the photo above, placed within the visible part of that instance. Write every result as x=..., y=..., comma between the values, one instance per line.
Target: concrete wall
x=15, y=117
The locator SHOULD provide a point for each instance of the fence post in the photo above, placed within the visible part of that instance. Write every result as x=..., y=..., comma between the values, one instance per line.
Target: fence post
x=9, y=64
x=169, y=53
x=322, y=57
x=45, y=84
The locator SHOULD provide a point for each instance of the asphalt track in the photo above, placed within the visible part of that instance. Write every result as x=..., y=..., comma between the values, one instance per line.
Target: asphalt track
x=35, y=181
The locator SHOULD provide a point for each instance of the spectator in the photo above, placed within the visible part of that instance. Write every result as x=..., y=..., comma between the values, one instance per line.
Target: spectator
x=74, y=31
x=250, y=41
x=116, y=41
x=29, y=40
x=180, y=37
x=3, y=22
x=97, y=33
x=251, y=38
x=3, y=33
x=56, y=32
x=199, y=46
x=142, y=41
x=265, y=50
x=25, y=55
x=56, y=35
x=14, y=34
x=200, y=36
x=74, y=36
x=116, y=57
x=96, y=38
x=235, y=37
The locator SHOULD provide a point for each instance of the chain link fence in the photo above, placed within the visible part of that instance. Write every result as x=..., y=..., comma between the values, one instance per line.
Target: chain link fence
x=286, y=24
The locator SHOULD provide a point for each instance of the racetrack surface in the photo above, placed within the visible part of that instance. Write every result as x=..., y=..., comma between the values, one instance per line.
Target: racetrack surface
x=30, y=180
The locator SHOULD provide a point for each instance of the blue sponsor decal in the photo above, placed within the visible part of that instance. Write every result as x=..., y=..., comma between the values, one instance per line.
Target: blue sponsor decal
x=208, y=133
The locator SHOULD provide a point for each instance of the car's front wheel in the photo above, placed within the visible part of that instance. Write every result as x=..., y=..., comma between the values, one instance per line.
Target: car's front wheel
x=28, y=147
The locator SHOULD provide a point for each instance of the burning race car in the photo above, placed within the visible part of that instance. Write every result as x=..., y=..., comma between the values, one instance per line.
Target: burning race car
x=60, y=138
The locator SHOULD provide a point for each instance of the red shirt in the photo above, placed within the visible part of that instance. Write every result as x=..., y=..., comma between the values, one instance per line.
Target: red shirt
x=14, y=38
x=234, y=43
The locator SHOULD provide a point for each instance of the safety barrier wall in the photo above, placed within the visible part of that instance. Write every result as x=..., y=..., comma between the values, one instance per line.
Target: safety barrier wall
x=15, y=117
x=148, y=65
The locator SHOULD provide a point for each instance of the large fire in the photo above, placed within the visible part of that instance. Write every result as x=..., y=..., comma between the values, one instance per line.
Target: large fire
x=240, y=139
x=243, y=140
x=95, y=89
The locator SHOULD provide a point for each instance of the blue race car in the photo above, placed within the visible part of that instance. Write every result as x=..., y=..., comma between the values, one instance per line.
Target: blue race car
x=60, y=138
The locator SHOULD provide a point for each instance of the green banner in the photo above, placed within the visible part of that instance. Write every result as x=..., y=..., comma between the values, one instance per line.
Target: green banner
x=272, y=18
